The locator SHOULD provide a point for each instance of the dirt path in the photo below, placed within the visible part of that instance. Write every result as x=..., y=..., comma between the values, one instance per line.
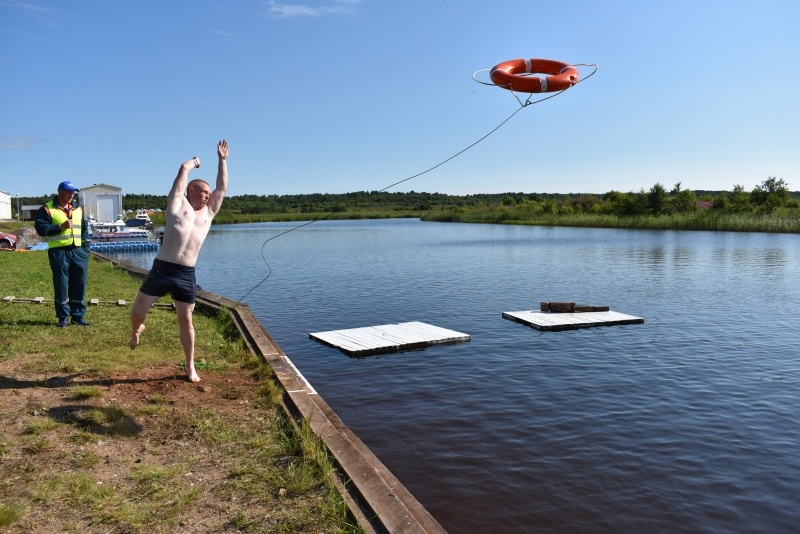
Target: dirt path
x=144, y=451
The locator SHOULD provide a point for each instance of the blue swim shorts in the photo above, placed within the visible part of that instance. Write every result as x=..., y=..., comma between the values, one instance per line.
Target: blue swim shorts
x=166, y=277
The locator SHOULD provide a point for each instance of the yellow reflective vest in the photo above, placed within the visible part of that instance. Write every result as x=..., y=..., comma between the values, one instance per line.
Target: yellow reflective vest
x=70, y=236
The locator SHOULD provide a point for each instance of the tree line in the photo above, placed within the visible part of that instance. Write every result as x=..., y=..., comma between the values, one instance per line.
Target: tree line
x=773, y=193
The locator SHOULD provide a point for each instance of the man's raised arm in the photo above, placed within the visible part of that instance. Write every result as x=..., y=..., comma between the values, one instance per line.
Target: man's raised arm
x=215, y=202
x=179, y=185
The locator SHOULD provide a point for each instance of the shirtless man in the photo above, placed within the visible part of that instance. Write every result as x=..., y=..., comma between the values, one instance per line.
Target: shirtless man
x=188, y=221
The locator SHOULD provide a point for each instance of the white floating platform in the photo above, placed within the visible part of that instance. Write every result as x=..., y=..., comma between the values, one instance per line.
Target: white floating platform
x=388, y=338
x=549, y=321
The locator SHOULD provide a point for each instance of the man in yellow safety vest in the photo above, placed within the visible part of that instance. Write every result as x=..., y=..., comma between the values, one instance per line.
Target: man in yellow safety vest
x=61, y=223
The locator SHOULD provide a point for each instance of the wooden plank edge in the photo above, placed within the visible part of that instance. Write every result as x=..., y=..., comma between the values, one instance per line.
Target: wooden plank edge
x=381, y=500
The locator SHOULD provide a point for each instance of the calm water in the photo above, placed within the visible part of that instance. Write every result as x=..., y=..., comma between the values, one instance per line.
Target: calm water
x=687, y=423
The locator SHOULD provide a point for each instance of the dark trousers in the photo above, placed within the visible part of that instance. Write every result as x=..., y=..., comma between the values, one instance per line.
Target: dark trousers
x=70, y=268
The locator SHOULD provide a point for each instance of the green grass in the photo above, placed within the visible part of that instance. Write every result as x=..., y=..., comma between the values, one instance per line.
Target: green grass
x=37, y=444
x=85, y=460
x=40, y=427
x=103, y=348
x=10, y=514
x=48, y=466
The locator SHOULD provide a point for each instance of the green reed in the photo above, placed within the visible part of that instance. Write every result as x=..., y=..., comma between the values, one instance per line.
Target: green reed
x=701, y=220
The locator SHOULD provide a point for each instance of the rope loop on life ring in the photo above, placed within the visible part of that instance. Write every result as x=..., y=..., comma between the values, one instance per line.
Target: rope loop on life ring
x=520, y=75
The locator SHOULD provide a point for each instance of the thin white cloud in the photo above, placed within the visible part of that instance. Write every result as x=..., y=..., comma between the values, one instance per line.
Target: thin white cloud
x=278, y=10
x=24, y=7
x=224, y=33
x=18, y=143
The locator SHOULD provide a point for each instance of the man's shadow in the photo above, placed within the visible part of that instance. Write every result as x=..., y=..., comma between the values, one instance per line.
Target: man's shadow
x=9, y=382
x=102, y=420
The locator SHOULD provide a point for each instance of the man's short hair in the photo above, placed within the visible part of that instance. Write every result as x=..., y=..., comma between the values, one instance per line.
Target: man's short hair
x=194, y=183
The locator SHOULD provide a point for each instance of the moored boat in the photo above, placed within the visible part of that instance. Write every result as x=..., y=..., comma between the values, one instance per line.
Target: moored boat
x=142, y=218
x=117, y=236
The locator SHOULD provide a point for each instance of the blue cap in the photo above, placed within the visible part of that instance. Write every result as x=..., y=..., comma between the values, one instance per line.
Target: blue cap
x=67, y=186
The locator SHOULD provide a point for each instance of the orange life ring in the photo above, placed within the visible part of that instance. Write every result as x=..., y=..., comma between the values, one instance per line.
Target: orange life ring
x=511, y=75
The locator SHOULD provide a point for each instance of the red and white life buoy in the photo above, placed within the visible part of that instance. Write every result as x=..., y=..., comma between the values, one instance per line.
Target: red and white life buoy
x=520, y=75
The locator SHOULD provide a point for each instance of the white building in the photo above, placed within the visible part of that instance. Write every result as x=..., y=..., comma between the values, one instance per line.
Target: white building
x=5, y=205
x=29, y=211
x=101, y=201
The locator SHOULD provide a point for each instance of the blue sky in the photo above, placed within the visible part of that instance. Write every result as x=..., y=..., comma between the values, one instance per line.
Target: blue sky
x=350, y=95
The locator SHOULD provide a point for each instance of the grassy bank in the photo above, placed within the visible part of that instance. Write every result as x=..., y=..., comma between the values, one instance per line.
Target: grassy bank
x=780, y=221
x=98, y=438
x=706, y=220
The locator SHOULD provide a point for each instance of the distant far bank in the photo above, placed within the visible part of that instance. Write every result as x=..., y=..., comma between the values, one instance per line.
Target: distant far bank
x=701, y=220
x=768, y=207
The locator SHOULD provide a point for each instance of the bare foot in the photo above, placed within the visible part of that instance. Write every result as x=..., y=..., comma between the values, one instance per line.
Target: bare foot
x=192, y=375
x=135, y=336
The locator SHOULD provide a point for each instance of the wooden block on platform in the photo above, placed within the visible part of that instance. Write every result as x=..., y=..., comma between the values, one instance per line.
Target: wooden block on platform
x=94, y=302
x=9, y=298
x=570, y=307
x=562, y=307
x=121, y=302
x=38, y=300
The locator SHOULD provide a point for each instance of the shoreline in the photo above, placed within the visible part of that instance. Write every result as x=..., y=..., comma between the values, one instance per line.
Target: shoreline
x=376, y=498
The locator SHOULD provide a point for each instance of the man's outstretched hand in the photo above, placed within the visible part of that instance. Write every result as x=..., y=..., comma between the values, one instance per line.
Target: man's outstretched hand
x=222, y=149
